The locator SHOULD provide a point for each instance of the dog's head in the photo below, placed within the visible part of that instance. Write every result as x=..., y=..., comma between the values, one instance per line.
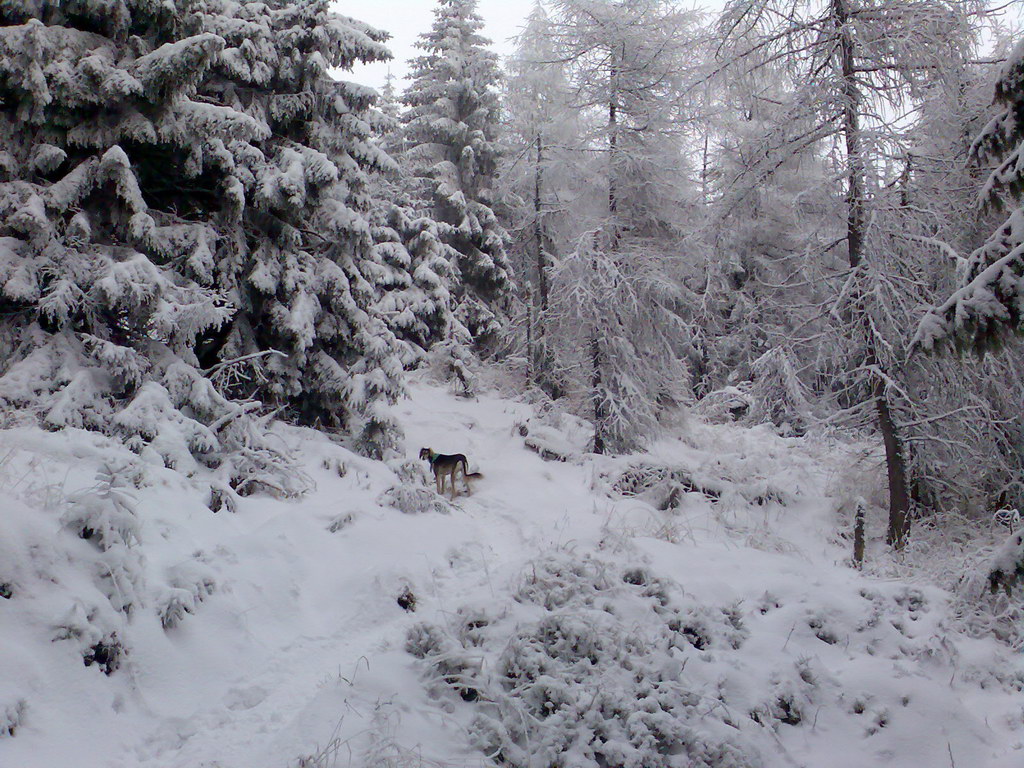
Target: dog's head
x=425, y=453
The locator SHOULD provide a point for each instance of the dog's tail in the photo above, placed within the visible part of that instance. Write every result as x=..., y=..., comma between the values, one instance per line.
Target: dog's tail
x=467, y=473
x=475, y=474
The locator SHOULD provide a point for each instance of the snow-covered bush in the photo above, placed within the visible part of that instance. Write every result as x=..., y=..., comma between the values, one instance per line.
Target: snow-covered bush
x=1006, y=571
x=586, y=681
x=91, y=628
x=777, y=395
x=724, y=405
x=11, y=718
x=557, y=436
x=988, y=595
x=189, y=584
x=410, y=495
x=614, y=322
x=590, y=663
x=663, y=486
x=105, y=514
x=452, y=361
x=413, y=500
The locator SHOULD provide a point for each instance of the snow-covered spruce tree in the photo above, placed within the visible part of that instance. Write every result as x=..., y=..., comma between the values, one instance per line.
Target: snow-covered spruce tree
x=449, y=131
x=416, y=299
x=182, y=193
x=309, y=273
x=990, y=303
x=418, y=265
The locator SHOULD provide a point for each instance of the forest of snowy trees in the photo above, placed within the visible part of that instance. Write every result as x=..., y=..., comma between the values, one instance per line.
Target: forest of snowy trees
x=723, y=303
x=798, y=213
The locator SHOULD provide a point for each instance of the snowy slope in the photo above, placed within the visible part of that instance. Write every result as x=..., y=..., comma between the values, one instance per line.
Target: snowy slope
x=745, y=630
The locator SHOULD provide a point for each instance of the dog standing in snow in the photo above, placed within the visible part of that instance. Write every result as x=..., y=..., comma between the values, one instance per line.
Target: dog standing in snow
x=444, y=465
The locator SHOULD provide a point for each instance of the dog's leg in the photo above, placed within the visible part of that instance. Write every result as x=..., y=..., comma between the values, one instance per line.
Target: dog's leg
x=438, y=479
x=451, y=479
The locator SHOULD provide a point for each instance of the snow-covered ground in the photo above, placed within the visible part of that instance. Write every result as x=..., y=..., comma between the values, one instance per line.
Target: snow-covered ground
x=557, y=616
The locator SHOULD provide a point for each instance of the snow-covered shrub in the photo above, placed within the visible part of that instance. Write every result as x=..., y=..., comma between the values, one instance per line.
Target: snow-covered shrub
x=406, y=599
x=92, y=628
x=341, y=522
x=988, y=598
x=106, y=654
x=777, y=395
x=11, y=717
x=595, y=662
x=449, y=666
x=105, y=514
x=189, y=584
x=557, y=436
x=1006, y=569
x=613, y=315
x=411, y=471
x=413, y=500
x=591, y=678
x=724, y=405
x=451, y=361
x=662, y=487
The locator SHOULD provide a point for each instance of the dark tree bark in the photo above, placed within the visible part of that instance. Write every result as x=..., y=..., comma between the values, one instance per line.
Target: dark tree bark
x=899, y=497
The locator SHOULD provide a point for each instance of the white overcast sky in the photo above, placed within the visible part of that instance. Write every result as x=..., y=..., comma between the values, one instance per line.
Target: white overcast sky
x=406, y=19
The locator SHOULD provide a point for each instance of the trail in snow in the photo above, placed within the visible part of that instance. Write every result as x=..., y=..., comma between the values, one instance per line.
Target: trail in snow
x=298, y=577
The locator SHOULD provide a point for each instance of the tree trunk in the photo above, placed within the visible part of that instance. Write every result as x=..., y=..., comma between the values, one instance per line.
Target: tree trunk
x=858, y=535
x=899, y=498
x=535, y=328
x=596, y=392
x=597, y=380
x=613, y=148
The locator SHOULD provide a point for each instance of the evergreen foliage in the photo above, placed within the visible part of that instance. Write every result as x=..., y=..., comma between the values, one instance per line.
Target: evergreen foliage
x=184, y=192
x=450, y=129
x=990, y=302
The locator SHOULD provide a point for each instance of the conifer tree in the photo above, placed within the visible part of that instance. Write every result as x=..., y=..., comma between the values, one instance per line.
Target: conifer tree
x=418, y=265
x=450, y=129
x=853, y=62
x=990, y=303
x=542, y=174
x=416, y=300
x=185, y=231
x=627, y=64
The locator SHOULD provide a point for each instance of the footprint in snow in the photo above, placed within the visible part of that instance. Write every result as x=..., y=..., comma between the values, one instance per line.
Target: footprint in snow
x=244, y=698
